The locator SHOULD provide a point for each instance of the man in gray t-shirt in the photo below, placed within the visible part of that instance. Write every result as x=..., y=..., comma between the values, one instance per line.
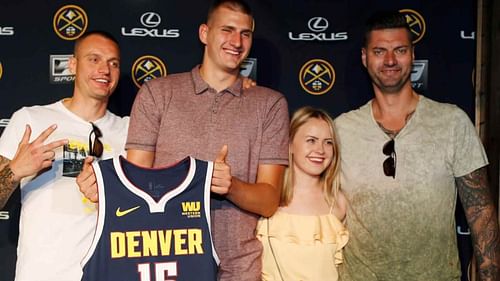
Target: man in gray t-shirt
x=404, y=159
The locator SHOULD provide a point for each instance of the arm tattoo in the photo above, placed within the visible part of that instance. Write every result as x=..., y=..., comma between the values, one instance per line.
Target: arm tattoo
x=7, y=182
x=475, y=195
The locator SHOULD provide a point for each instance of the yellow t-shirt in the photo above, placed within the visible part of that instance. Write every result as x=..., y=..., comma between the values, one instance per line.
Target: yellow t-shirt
x=301, y=247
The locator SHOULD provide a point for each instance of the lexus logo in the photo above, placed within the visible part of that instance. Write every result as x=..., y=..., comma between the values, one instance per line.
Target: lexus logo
x=317, y=24
x=150, y=19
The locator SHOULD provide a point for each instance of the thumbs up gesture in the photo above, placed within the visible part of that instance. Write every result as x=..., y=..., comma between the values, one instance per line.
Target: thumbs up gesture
x=221, y=177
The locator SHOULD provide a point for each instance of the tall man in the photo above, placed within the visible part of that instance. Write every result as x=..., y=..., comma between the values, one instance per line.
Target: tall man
x=57, y=223
x=404, y=158
x=206, y=113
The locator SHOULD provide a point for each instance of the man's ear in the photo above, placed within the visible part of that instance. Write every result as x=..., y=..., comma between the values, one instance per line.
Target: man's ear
x=363, y=56
x=72, y=65
x=203, y=33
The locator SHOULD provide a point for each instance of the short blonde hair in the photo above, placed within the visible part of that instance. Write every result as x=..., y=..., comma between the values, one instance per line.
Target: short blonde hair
x=330, y=178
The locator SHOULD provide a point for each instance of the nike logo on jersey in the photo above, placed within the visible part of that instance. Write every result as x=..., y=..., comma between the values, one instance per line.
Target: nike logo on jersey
x=120, y=213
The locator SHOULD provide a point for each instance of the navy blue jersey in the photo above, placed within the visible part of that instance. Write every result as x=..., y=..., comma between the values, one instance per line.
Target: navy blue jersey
x=153, y=224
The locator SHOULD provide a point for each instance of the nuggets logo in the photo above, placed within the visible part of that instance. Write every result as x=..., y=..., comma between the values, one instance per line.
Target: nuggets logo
x=147, y=68
x=191, y=209
x=70, y=22
x=317, y=76
x=416, y=23
x=1, y=70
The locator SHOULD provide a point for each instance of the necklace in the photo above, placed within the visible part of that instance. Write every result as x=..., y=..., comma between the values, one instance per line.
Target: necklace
x=393, y=133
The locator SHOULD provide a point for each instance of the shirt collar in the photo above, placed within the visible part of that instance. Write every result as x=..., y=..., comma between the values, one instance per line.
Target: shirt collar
x=200, y=86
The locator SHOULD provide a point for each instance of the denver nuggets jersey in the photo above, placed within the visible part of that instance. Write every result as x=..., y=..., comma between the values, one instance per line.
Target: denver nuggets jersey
x=153, y=224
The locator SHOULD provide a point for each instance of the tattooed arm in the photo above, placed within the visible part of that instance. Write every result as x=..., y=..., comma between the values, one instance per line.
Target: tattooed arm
x=8, y=182
x=475, y=195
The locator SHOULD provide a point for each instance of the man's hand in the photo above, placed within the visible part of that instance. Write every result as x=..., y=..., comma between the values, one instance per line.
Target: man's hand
x=33, y=157
x=221, y=177
x=87, y=181
x=248, y=83
x=261, y=197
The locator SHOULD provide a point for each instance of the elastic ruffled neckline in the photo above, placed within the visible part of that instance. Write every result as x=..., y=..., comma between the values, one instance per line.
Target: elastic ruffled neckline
x=304, y=229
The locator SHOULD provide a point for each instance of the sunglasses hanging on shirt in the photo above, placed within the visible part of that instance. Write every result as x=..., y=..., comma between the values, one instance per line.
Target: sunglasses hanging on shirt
x=95, y=147
x=389, y=163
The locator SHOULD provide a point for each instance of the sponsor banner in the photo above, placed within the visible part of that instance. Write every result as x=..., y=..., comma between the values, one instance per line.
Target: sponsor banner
x=248, y=68
x=288, y=34
x=467, y=35
x=4, y=215
x=4, y=122
x=151, y=28
x=6, y=31
x=59, y=69
x=419, y=74
x=319, y=31
x=463, y=230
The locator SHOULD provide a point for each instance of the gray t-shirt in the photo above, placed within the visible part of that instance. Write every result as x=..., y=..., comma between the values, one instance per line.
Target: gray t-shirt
x=403, y=228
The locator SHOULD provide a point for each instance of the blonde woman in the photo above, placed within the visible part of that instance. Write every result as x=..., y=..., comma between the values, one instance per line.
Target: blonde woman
x=303, y=240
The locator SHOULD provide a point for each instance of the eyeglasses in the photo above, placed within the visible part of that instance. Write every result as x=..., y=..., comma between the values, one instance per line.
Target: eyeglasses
x=95, y=149
x=389, y=163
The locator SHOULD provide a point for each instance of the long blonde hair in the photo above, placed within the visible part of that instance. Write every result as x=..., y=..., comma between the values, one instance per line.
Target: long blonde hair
x=330, y=178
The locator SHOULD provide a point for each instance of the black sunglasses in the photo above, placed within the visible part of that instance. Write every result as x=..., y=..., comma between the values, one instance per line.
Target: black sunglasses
x=97, y=148
x=389, y=163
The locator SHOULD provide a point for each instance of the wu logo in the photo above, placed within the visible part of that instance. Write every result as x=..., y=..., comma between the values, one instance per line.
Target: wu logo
x=191, y=206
